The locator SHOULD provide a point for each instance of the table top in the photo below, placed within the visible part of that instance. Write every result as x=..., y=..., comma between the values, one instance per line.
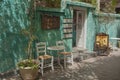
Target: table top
x=80, y=48
x=55, y=48
x=115, y=38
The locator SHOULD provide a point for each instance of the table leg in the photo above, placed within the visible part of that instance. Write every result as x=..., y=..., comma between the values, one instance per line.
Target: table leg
x=59, y=62
x=65, y=63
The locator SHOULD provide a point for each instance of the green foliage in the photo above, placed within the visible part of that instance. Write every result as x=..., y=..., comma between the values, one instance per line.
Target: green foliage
x=49, y=3
x=114, y=2
x=53, y=3
x=29, y=33
x=94, y=2
x=28, y=63
x=105, y=21
x=109, y=7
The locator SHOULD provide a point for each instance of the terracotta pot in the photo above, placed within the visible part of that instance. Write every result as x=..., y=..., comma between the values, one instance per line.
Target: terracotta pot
x=29, y=74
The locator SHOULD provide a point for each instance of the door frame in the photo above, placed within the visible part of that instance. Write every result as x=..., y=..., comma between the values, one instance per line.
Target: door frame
x=83, y=11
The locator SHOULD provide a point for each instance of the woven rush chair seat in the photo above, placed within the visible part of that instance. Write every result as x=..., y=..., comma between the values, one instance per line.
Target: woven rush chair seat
x=65, y=53
x=45, y=57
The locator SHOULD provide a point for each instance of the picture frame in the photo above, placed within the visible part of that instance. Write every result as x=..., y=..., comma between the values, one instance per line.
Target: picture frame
x=50, y=22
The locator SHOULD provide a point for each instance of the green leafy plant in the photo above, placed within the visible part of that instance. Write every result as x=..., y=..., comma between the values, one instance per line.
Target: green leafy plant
x=28, y=64
x=29, y=33
x=105, y=17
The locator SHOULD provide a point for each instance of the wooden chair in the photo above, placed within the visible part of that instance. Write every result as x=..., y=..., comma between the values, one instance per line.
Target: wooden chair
x=68, y=56
x=45, y=59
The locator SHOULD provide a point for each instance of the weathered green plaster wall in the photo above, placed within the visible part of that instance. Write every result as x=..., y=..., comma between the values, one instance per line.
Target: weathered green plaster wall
x=90, y=21
x=112, y=27
x=50, y=36
x=91, y=30
x=68, y=14
x=13, y=18
x=12, y=44
x=94, y=27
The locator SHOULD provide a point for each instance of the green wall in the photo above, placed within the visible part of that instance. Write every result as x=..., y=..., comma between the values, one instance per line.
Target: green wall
x=94, y=26
x=91, y=30
x=12, y=44
x=111, y=28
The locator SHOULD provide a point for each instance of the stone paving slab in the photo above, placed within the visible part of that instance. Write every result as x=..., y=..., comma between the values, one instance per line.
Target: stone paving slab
x=95, y=68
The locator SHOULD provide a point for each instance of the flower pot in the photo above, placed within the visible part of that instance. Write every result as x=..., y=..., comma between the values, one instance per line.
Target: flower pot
x=29, y=74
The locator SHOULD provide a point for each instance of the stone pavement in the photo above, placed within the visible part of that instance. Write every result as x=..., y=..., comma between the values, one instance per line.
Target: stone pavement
x=95, y=68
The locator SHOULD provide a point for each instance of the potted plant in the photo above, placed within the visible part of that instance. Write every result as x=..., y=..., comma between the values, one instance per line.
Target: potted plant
x=28, y=68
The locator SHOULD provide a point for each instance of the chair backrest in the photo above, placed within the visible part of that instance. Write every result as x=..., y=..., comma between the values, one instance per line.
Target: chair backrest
x=41, y=48
x=60, y=43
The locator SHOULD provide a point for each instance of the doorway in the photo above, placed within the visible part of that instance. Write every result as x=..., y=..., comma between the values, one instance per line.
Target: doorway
x=79, y=28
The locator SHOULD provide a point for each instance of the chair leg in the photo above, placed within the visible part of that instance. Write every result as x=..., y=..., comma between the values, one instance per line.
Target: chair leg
x=72, y=59
x=42, y=64
x=65, y=61
x=52, y=66
x=81, y=57
x=59, y=63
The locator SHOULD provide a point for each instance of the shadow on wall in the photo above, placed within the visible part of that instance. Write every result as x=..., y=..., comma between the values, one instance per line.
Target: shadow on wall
x=12, y=20
x=118, y=34
x=12, y=49
x=118, y=31
x=48, y=36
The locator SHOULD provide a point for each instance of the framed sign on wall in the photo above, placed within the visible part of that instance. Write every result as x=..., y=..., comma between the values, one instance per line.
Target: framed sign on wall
x=50, y=22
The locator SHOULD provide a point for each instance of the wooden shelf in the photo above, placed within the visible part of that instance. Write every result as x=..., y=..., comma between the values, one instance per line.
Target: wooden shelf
x=67, y=32
x=67, y=20
x=67, y=28
x=68, y=23
x=67, y=35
